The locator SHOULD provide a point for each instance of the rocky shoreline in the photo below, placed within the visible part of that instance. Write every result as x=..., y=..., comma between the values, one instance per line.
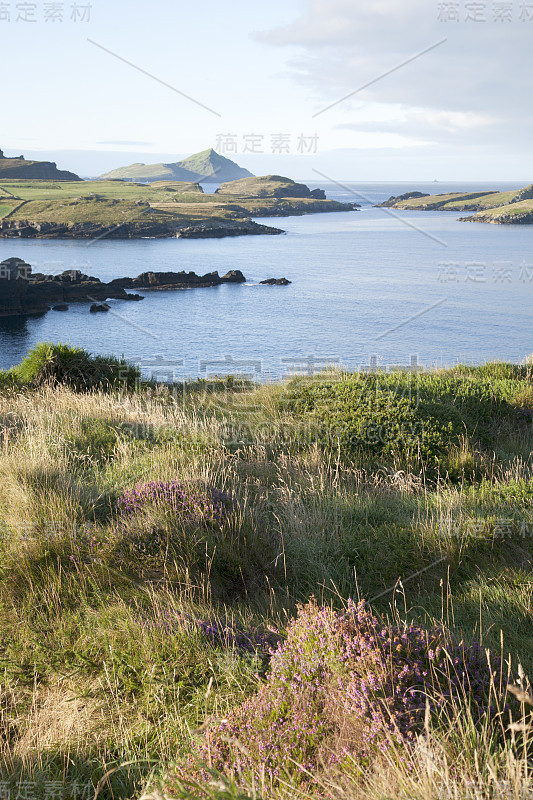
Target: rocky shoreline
x=24, y=293
x=149, y=228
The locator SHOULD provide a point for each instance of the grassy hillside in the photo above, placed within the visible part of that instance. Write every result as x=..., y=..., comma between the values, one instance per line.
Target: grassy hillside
x=157, y=540
x=113, y=202
x=207, y=166
x=33, y=170
x=496, y=207
x=264, y=186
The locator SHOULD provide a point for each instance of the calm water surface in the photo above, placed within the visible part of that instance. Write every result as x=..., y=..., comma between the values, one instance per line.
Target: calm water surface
x=365, y=285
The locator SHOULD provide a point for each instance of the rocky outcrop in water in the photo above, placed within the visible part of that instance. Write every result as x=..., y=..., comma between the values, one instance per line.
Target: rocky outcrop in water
x=176, y=280
x=275, y=282
x=37, y=293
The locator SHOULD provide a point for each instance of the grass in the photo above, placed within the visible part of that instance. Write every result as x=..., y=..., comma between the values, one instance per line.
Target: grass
x=101, y=665
x=6, y=208
x=498, y=207
x=114, y=202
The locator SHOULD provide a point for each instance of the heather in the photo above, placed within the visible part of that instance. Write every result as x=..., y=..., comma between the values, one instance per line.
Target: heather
x=344, y=685
x=191, y=505
x=159, y=548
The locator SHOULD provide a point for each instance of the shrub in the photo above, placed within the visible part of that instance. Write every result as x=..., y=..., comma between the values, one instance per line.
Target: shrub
x=192, y=505
x=59, y=363
x=413, y=420
x=343, y=686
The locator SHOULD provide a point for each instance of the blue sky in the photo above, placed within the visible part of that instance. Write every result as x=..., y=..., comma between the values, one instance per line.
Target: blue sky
x=458, y=112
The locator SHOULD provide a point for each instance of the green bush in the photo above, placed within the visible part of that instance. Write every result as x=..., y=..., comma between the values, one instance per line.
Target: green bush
x=410, y=420
x=51, y=363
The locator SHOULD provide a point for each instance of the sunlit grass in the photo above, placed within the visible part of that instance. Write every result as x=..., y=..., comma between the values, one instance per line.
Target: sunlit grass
x=93, y=674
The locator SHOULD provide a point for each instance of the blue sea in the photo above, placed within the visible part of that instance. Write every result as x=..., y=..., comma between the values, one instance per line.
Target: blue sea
x=368, y=287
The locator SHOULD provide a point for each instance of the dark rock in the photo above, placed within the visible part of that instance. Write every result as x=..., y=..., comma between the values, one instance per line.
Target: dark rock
x=407, y=196
x=99, y=307
x=60, y=307
x=275, y=282
x=177, y=280
x=36, y=294
x=149, y=226
x=14, y=269
x=230, y=227
x=233, y=276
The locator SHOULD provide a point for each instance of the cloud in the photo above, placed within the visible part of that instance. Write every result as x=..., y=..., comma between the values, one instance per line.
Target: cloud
x=426, y=126
x=476, y=84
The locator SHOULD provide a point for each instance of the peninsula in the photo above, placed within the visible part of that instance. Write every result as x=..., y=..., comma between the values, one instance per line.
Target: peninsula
x=498, y=208
x=127, y=210
x=20, y=168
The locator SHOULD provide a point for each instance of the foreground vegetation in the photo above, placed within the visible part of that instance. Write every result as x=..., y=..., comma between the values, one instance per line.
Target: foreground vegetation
x=158, y=543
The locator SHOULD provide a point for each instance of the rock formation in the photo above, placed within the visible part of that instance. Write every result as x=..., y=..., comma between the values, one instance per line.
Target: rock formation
x=275, y=282
x=22, y=292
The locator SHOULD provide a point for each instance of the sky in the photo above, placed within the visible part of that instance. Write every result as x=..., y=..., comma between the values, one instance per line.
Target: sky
x=359, y=90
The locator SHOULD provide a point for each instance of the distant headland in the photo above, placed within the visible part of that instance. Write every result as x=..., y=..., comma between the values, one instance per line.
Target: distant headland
x=20, y=168
x=126, y=209
x=207, y=166
x=498, y=208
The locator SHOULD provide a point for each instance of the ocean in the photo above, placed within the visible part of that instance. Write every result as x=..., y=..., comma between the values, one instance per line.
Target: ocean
x=369, y=287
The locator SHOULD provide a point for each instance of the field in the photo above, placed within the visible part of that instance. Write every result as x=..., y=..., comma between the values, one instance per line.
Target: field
x=114, y=202
x=128, y=624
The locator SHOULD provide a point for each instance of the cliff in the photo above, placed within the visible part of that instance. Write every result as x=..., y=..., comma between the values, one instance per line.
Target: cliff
x=20, y=168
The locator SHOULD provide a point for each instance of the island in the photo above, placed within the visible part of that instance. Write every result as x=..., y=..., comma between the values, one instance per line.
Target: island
x=119, y=209
x=498, y=208
x=25, y=292
x=21, y=168
x=207, y=166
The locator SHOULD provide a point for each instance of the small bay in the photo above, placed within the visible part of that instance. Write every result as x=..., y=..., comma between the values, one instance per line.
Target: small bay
x=370, y=284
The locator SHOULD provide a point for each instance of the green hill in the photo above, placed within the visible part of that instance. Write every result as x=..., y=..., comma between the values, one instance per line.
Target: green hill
x=499, y=208
x=269, y=186
x=39, y=170
x=208, y=166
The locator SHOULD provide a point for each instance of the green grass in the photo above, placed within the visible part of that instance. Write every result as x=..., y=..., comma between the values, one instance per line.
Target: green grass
x=461, y=201
x=113, y=202
x=6, y=208
x=93, y=676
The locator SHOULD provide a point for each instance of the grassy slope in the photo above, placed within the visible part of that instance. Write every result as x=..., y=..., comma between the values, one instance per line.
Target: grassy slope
x=260, y=186
x=91, y=668
x=458, y=201
x=497, y=207
x=521, y=212
x=111, y=202
x=205, y=164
